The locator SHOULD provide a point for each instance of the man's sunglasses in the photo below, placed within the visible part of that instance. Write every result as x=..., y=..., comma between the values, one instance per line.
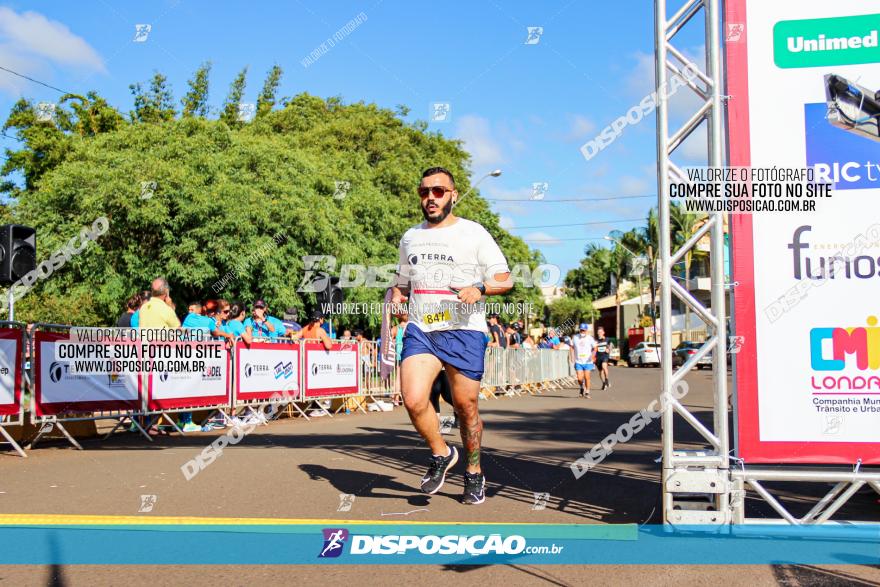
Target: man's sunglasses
x=224, y=311
x=438, y=191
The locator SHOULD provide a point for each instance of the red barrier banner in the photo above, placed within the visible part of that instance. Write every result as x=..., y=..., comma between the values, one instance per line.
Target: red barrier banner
x=58, y=389
x=10, y=371
x=331, y=373
x=265, y=369
x=204, y=388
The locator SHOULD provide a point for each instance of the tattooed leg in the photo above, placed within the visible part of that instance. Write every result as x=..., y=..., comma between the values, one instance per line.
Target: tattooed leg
x=471, y=438
x=465, y=395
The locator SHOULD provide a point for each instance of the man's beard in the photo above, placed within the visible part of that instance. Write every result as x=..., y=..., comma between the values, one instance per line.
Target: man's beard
x=444, y=212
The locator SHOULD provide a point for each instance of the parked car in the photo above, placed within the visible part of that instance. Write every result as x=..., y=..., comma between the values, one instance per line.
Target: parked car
x=683, y=352
x=687, y=348
x=644, y=353
x=706, y=362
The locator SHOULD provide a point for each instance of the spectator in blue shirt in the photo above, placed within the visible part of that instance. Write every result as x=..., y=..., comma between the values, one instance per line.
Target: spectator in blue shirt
x=221, y=318
x=256, y=324
x=196, y=321
x=280, y=328
x=235, y=324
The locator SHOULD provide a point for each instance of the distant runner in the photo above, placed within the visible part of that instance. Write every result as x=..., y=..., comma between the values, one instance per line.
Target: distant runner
x=584, y=356
x=446, y=262
x=602, y=357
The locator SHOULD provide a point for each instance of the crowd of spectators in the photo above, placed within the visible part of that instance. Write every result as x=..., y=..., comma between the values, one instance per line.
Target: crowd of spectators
x=515, y=336
x=223, y=319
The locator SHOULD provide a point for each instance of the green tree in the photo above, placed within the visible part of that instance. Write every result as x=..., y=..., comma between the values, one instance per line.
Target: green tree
x=155, y=104
x=229, y=115
x=592, y=277
x=266, y=99
x=236, y=208
x=195, y=102
x=571, y=310
x=645, y=240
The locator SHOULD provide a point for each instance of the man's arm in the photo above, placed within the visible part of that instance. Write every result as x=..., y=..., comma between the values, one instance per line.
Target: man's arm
x=216, y=332
x=328, y=344
x=400, y=289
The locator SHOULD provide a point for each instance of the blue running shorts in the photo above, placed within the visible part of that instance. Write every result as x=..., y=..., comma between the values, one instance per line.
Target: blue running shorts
x=584, y=366
x=463, y=349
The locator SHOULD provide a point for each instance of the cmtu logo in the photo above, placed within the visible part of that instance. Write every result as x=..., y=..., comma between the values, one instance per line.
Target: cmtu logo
x=862, y=341
x=334, y=540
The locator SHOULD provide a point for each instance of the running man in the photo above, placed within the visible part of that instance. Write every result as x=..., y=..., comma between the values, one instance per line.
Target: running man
x=446, y=264
x=602, y=357
x=584, y=356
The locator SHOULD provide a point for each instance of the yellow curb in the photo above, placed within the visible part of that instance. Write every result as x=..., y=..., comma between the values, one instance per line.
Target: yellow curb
x=104, y=520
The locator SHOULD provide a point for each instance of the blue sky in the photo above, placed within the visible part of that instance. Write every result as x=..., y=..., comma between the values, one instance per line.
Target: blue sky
x=524, y=108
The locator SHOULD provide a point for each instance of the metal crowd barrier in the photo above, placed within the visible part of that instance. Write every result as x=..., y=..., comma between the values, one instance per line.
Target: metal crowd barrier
x=12, y=414
x=48, y=422
x=507, y=372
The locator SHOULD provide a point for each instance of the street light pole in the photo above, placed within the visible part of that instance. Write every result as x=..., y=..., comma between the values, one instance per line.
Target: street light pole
x=495, y=173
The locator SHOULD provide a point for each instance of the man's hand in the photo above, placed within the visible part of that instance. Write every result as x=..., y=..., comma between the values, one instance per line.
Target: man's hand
x=398, y=298
x=469, y=295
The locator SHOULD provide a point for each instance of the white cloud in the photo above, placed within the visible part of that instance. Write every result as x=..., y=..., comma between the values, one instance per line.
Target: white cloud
x=599, y=170
x=493, y=191
x=541, y=239
x=29, y=42
x=506, y=222
x=12, y=84
x=633, y=186
x=476, y=134
x=581, y=128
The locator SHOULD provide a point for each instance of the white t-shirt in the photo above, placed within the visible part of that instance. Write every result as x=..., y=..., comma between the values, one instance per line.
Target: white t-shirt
x=434, y=260
x=583, y=348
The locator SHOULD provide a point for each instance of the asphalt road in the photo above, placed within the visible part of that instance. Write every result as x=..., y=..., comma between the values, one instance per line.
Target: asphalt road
x=298, y=469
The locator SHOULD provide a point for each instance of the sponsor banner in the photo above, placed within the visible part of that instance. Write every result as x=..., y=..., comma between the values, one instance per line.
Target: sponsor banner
x=187, y=389
x=10, y=371
x=808, y=371
x=58, y=390
x=249, y=542
x=264, y=369
x=818, y=42
x=333, y=372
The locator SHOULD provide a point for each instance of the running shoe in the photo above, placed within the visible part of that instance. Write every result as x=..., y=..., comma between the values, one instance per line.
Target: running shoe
x=437, y=469
x=474, y=488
